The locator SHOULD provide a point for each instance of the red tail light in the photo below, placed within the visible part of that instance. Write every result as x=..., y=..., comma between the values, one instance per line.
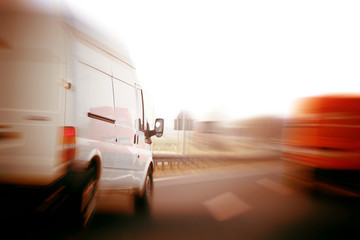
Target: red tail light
x=67, y=141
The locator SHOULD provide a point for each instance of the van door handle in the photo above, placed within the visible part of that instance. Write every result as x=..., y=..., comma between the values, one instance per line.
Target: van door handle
x=134, y=138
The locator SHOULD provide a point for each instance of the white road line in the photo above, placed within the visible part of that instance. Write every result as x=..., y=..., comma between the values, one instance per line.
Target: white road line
x=169, y=178
x=226, y=206
x=239, y=171
x=274, y=186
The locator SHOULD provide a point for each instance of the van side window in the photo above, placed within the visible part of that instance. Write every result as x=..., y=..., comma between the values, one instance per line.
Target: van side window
x=95, y=98
x=125, y=104
x=140, y=112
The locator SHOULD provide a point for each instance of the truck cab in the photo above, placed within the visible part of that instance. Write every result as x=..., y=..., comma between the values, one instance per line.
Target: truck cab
x=322, y=136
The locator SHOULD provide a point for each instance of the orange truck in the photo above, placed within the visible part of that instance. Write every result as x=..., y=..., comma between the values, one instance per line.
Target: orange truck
x=321, y=141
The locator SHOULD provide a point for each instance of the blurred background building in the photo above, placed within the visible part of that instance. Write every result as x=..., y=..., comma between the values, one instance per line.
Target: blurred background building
x=196, y=138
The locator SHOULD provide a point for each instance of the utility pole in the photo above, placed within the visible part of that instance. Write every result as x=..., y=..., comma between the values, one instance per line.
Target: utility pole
x=183, y=122
x=184, y=132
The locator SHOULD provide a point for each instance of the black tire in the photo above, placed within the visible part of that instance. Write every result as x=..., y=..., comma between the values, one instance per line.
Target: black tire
x=143, y=200
x=82, y=200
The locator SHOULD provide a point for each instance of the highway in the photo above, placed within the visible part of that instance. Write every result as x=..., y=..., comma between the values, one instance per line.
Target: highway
x=245, y=200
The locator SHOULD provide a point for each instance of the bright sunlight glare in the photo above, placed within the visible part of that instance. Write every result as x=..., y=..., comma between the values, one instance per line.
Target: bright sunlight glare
x=233, y=59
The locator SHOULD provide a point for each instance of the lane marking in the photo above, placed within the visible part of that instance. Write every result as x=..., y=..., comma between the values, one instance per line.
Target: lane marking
x=226, y=206
x=235, y=172
x=168, y=178
x=239, y=171
x=276, y=187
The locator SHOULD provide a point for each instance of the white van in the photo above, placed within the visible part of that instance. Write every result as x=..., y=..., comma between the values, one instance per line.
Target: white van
x=72, y=116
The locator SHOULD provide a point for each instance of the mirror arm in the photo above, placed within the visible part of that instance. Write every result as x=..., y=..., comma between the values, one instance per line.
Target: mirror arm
x=150, y=133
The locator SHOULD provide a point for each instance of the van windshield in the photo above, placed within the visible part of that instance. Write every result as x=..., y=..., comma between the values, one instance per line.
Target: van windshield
x=31, y=62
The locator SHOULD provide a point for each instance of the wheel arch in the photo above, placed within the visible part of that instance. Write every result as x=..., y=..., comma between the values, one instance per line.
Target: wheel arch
x=149, y=167
x=95, y=163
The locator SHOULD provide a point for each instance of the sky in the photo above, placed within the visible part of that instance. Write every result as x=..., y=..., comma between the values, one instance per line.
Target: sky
x=230, y=59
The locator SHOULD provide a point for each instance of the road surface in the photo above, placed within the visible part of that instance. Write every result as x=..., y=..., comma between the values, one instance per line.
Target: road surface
x=249, y=200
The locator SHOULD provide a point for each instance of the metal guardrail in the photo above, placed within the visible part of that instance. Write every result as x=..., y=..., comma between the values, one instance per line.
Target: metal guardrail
x=179, y=160
x=203, y=161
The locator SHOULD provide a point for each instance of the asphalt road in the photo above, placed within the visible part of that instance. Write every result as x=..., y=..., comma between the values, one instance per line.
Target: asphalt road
x=250, y=200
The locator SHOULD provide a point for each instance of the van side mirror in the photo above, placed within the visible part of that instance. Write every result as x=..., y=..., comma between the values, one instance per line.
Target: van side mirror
x=159, y=127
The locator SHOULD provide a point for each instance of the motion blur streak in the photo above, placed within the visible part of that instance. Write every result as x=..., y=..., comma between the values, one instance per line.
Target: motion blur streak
x=323, y=136
x=73, y=121
x=264, y=177
x=231, y=138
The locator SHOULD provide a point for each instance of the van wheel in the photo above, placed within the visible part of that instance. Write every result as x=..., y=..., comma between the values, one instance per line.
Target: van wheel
x=82, y=198
x=143, y=201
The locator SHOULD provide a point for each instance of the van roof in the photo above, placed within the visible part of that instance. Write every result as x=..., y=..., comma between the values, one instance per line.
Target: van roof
x=58, y=9
x=115, y=48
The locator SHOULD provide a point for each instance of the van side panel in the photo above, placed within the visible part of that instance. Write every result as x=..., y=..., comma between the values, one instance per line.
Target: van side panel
x=125, y=114
x=93, y=110
x=106, y=113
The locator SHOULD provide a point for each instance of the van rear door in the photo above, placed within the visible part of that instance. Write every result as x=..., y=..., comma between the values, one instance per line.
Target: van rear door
x=31, y=99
